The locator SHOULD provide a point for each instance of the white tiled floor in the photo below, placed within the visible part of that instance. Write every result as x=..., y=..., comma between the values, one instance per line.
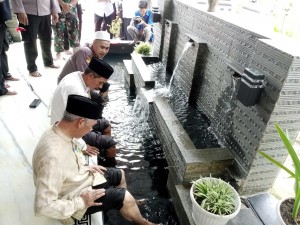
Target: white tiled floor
x=20, y=129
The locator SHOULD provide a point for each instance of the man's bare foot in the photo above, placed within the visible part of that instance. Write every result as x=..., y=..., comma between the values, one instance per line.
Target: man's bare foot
x=53, y=66
x=11, y=78
x=35, y=74
x=68, y=52
x=6, y=85
x=146, y=222
x=58, y=56
x=11, y=93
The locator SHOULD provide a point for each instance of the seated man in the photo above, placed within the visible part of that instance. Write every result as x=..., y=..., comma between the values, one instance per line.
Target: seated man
x=81, y=57
x=140, y=28
x=94, y=76
x=80, y=60
x=66, y=189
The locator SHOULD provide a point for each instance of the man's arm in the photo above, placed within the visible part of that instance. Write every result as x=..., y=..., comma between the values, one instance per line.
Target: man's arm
x=49, y=181
x=81, y=59
x=150, y=17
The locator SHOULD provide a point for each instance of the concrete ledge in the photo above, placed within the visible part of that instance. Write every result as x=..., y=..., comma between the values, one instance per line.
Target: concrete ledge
x=142, y=76
x=129, y=77
x=185, y=161
x=120, y=47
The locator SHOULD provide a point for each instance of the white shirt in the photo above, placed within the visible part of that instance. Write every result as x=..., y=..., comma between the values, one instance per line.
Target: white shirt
x=129, y=7
x=103, y=7
x=70, y=84
x=59, y=184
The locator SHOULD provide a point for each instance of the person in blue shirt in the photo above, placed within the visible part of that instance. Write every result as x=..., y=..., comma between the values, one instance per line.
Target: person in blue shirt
x=140, y=28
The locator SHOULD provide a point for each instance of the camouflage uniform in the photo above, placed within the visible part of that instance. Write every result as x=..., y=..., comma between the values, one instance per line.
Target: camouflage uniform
x=68, y=21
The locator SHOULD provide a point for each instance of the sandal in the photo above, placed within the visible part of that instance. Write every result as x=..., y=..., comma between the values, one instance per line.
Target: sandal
x=35, y=74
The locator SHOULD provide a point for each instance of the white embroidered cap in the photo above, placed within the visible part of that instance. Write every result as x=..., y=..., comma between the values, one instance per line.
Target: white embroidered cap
x=102, y=35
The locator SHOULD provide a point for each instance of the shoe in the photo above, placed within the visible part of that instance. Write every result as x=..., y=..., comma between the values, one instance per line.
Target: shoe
x=132, y=43
x=53, y=66
x=35, y=74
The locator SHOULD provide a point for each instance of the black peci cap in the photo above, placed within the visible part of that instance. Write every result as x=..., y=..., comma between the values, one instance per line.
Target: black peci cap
x=83, y=107
x=101, y=67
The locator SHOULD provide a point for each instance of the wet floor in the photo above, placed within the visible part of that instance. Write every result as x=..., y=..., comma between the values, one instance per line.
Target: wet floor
x=139, y=153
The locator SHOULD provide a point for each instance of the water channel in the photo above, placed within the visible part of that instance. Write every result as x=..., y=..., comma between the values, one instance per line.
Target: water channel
x=139, y=153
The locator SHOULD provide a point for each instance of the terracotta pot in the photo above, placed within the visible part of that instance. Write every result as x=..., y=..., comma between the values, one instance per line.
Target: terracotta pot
x=203, y=217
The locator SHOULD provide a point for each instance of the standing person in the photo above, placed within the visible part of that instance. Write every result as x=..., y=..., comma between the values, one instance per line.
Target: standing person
x=79, y=14
x=4, y=62
x=128, y=10
x=66, y=189
x=140, y=27
x=5, y=15
x=35, y=17
x=83, y=83
x=66, y=29
x=104, y=12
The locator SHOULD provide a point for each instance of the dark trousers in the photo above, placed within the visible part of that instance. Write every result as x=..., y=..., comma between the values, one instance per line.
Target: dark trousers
x=107, y=21
x=39, y=26
x=126, y=23
x=3, y=61
x=79, y=13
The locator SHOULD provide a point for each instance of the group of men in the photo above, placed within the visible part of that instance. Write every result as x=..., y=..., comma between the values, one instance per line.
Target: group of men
x=67, y=188
x=78, y=125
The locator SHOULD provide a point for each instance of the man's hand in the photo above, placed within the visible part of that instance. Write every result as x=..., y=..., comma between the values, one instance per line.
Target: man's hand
x=90, y=150
x=65, y=7
x=97, y=168
x=23, y=19
x=54, y=18
x=90, y=196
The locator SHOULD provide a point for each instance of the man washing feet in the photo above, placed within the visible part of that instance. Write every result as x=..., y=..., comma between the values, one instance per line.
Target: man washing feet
x=67, y=189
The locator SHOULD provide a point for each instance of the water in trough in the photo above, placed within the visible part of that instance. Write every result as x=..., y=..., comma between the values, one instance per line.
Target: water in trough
x=139, y=153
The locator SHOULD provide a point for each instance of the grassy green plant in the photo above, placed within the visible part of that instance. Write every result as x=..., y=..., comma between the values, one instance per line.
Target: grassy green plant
x=296, y=175
x=143, y=48
x=215, y=196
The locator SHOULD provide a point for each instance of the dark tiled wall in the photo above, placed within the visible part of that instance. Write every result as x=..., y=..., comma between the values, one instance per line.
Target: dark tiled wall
x=230, y=49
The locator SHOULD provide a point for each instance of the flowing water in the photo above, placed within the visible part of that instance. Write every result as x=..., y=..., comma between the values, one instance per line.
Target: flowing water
x=139, y=152
x=201, y=134
x=185, y=49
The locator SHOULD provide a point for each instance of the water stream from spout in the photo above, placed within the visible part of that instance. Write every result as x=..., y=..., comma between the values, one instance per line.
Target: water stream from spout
x=185, y=49
x=141, y=108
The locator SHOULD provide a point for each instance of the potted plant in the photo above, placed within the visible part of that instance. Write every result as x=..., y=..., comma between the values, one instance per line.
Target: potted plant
x=143, y=48
x=214, y=202
x=292, y=217
x=115, y=27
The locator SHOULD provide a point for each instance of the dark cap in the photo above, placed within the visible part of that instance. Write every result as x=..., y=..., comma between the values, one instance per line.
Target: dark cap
x=83, y=107
x=101, y=67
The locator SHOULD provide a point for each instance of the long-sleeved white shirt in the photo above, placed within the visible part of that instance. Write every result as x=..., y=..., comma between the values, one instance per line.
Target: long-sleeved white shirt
x=60, y=177
x=35, y=7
